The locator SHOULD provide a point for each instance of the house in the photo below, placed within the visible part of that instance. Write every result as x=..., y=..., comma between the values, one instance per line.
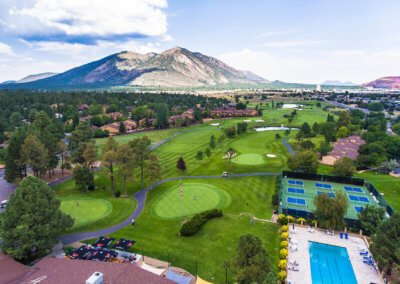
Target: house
x=345, y=147
x=114, y=115
x=233, y=112
x=61, y=270
x=104, y=108
x=183, y=116
x=113, y=128
x=83, y=107
x=142, y=122
x=130, y=108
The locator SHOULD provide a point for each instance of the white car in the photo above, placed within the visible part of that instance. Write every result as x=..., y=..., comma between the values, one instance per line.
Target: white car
x=3, y=204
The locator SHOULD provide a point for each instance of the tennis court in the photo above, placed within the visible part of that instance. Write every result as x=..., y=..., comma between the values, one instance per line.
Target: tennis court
x=298, y=194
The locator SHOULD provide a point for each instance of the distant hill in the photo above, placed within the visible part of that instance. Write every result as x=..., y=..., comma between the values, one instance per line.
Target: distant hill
x=35, y=77
x=176, y=67
x=338, y=83
x=392, y=82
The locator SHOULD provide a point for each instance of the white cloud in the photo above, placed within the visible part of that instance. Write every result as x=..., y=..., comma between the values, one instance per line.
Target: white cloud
x=94, y=18
x=358, y=66
x=5, y=49
x=292, y=43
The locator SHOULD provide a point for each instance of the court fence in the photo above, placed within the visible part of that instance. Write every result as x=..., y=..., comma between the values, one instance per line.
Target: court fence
x=353, y=223
x=318, y=177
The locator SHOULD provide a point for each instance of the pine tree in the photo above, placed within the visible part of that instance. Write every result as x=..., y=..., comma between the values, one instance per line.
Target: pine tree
x=108, y=159
x=153, y=169
x=126, y=162
x=141, y=150
x=180, y=165
x=28, y=228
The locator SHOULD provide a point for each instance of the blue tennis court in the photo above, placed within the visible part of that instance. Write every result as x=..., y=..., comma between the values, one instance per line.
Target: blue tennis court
x=295, y=182
x=353, y=189
x=358, y=198
x=322, y=185
x=358, y=208
x=330, y=194
x=296, y=200
x=295, y=190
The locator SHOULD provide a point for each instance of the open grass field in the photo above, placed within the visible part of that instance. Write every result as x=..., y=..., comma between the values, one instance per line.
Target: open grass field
x=86, y=210
x=97, y=209
x=156, y=136
x=217, y=240
x=197, y=198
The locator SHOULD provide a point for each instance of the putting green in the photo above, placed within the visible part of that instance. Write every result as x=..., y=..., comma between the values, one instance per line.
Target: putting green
x=207, y=197
x=249, y=159
x=88, y=211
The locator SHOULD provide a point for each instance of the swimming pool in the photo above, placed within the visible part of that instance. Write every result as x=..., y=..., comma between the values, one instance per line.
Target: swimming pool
x=330, y=264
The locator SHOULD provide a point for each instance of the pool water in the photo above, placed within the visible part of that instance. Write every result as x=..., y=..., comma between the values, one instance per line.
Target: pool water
x=330, y=264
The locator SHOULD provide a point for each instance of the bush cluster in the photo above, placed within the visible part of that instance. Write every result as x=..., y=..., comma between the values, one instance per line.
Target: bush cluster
x=194, y=225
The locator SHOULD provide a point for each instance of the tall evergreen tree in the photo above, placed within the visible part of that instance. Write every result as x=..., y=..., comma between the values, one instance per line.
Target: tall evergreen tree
x=141, y=150
x=126, y=162
x=153, y=169
x=29, y=228
x=251, y=263
x=13, y=168
x=109, y=158
x=35, y=155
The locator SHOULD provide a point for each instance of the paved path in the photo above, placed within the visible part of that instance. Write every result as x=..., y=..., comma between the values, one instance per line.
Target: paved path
x=288, y=146
x=323, y=114
x=141, y=200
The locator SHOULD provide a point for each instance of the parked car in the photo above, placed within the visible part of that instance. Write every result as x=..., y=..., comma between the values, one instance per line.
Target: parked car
x=3, y=204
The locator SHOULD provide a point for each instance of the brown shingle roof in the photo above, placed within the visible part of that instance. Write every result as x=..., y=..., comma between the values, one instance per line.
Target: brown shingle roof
x=11, y=271
x=60, y=271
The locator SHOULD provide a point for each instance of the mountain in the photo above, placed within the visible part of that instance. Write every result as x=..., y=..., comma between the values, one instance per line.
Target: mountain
x=8, y=82
x=176, y=67
x=35, y=77
x=254, y=77
x=392, y=82
x=338, y=83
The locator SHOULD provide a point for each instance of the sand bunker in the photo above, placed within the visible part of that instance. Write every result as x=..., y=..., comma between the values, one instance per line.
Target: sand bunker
x=271, y=156
x=259, y=120
x=247, y=120
x=214, y=124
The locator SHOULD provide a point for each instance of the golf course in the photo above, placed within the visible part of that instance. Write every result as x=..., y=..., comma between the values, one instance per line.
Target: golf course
x=203, y=188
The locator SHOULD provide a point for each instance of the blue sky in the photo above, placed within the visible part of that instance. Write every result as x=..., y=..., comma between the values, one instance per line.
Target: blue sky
x=294, y=41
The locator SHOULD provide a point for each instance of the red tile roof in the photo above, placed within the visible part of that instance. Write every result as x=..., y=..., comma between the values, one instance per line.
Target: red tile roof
x=11, y=271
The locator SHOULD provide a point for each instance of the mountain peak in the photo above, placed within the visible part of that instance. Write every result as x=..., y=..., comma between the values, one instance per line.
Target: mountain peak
x=175, y=67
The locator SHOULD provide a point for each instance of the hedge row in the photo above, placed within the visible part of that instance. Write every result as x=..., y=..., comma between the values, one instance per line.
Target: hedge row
x=194, y=225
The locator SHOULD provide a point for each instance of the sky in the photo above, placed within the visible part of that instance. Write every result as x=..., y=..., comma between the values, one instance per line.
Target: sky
x=289, y=40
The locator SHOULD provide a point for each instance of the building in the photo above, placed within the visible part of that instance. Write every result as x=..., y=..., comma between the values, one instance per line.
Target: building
x=113, y=128
x=345, y=147
x=115, y=115
x=83, y=107
x=60, y=271
x=233, y=112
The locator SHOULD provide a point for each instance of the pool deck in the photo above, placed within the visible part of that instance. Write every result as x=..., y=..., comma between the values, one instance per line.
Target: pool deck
x=364, y=272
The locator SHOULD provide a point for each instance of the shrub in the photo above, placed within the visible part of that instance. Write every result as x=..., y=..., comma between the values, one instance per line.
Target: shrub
x=283, y=253
x=284, y=244
x=282, y=219
x=91, y=187
x=291, y=219
x=301, y=219
x=275, y=196
x=284, y=235
x=194, y=225
x=282, y=264
x=117, y=193
x=282, y=276
x=285, y=228
x=68, y=249
x=313, y=222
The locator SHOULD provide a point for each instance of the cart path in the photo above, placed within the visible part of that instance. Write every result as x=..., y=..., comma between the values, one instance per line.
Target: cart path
x=141, y=200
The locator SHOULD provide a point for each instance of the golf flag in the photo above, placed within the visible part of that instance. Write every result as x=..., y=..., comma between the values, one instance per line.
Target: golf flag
x=180, y=186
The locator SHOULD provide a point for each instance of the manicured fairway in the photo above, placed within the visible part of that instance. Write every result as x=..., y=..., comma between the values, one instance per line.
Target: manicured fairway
x=249, y=159
x=217, y=240
x=88, y=211
x=196, y=197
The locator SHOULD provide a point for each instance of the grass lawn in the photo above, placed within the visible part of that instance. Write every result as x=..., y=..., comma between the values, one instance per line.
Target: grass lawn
x=249, y=159
x=86, y=210
x=197, y=198
x=217, y=240
x=97, y=209
x=156, y=136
